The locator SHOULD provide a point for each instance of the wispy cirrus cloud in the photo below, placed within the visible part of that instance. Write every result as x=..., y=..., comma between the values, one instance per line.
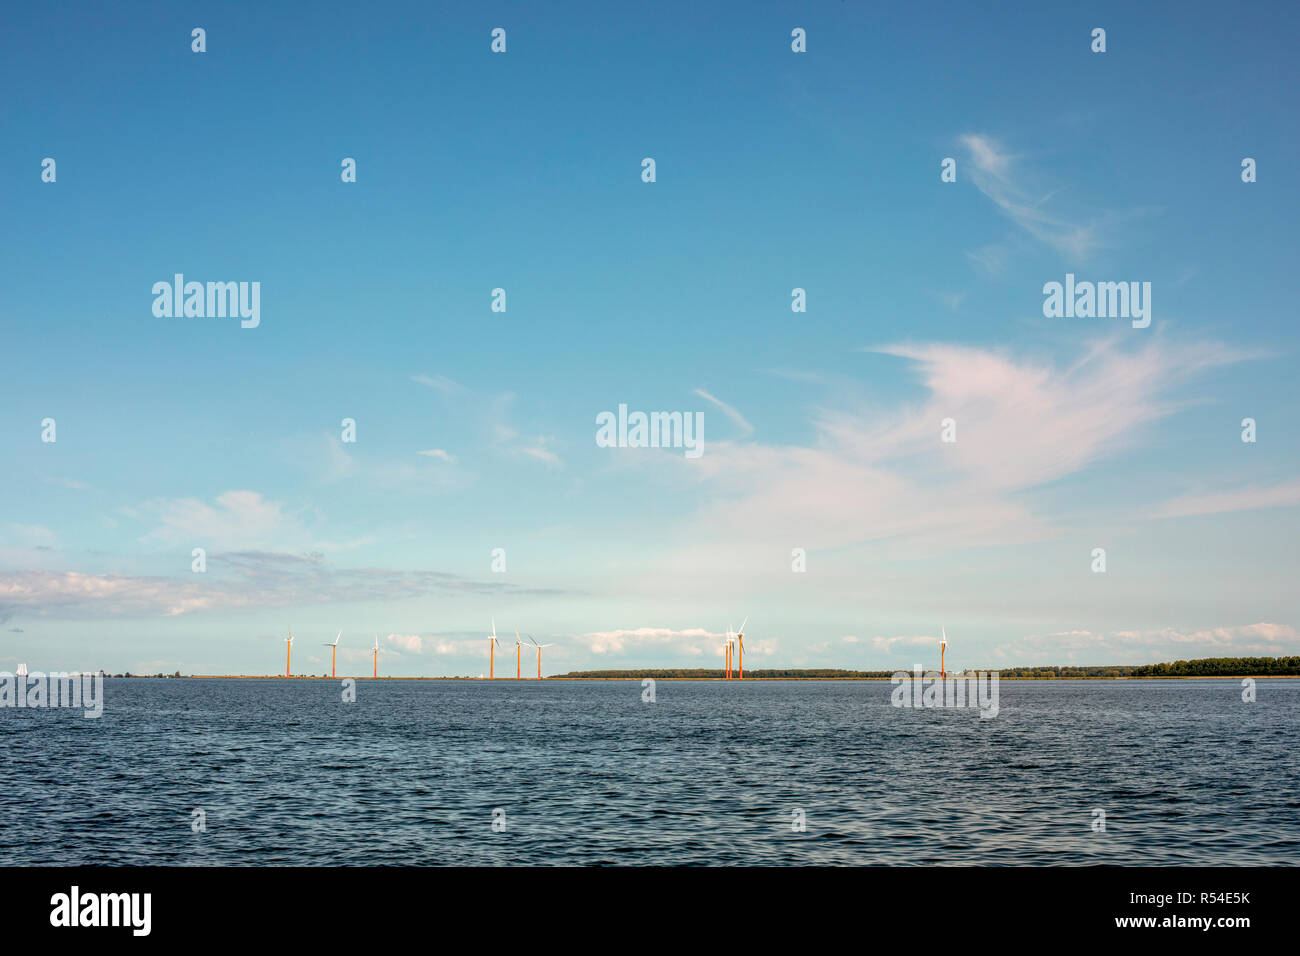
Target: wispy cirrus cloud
x=439, y=382
x=538, y=449
x=344, y=463
x=1022, y=422
x=738, y=419
x=875, y=474
x=1248, y=498
x=507, y=440
x=998, y=174
x=72, y=484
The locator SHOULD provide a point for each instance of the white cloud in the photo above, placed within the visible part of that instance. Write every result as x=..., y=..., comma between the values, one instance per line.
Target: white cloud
x=411, y=643
x=438, y=453
x=70, y=594
x=237, y=519
x=918, y=640
x=693, y=641
x=234, y=580
x=1143, y=646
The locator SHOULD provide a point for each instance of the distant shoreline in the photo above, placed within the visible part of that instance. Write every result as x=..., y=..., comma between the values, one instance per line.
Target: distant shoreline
x=640, y=677
x=1204, y=668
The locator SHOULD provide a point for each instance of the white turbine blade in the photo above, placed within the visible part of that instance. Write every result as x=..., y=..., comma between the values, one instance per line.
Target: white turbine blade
x=494, y=628
x=742, y=626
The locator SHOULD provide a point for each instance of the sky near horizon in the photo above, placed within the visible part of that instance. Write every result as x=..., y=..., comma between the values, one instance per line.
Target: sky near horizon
x=475, y=430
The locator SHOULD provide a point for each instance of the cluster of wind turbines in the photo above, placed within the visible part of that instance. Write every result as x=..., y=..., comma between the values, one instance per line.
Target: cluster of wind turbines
x=493, y=644
x=519, y=648
x=735, y=640
x=334, y=648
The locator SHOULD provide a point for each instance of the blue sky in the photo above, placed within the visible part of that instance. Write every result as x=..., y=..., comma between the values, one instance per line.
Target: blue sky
x=475, y=429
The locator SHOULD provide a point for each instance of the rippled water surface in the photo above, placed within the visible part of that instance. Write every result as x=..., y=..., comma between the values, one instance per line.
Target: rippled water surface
x=710, y=773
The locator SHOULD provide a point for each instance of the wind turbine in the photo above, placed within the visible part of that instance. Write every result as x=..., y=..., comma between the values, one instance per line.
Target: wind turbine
x=539, y=655
x=726, y=654
x=943, y=646
x=288, y=650
x=492, y=649
x=333, y=652
x=376, y=653
x=519, y=646
x=740, y=640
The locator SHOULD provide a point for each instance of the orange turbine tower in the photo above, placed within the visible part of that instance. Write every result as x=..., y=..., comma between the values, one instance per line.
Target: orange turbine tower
x=493, y=643
x=539, y=655
x=334, y=649
x=740, y=643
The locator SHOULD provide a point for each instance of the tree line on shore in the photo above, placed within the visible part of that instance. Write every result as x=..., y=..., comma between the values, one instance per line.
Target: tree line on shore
x=1203, y=667
x=1224, y=667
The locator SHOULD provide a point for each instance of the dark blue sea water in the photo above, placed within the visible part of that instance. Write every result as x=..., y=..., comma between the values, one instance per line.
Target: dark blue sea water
x=710, y=773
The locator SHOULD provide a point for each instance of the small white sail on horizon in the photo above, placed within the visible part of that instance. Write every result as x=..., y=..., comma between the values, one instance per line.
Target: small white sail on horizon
x=22, y=670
